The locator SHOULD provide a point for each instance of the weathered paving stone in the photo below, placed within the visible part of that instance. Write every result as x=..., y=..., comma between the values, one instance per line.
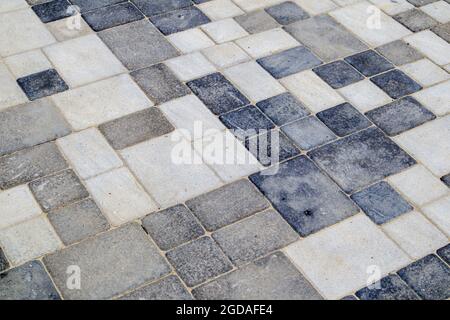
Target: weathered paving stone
x=42, y=84
x=419, y=3
x=343, y=119
x=29, y=164
x=415, y=20
x=78, y=221
x=288, y=62
x=444, y=253
x=228, y=204
x=400, y=115
x=443, y=31
x=159, y=83
x=283, y=108
x=136, y=127
x=287, y=12
x=396, y=84
x=399, y=52
x=247, y=118
x=429, y=278
x=108, y=17
x=338, y=74
x=198, y=261
x=381, y=202
x=391, y=288
x=156, y=7
x=361, y=159
x=349, y=298
x=446, y=180
x=169, y=288
x=254, y=237
x=217, y=93
x=179, y=20
x=369, y=63
x=138, y=44
x=30, y=124
x=27, y=282
x=308, y=133
x=256, y=21
x=272, y=277
x=111, y=263
x=172, y=227
x=58, y=190
x=53, y=10
x=304, y=196
x=87, y=5
x=3, y=262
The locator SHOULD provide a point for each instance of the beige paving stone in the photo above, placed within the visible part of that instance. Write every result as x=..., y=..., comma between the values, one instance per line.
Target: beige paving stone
x=439, y=11
x=220, y=9
x=190, y=66
x=436, y=98
x=226, y=55
x=24, y=64
x=224, y=30
x=10, y=5
x=69, y=28
x=431, y=45
x=425, y=72
x=393, y=7
x=439, y=212
x=190, y=40
x=317, y=6
x=10, y=92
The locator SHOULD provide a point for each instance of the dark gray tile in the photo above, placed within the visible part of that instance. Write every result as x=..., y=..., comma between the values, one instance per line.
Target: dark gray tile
x=361, y=159
x=198, y=261
x=444, y=253
x=429, y=278
x=415, y=20
x=169, y=288
x=256, y=21
x=272, y=277
x=53, y=10
x=247, y=121
x=87, y=5
x=399, y=52
x=42, y=84
x=283, y=108
x=446, y=179
x=287, y=12
x=388, y=288
x=111, y=16
x=179, y=20
x=228, y=204
x=381, y=202
x=419, y=3
x=58, y=190
x=27, y=282
x=172, y=227
x=400, y=115
x=136, y=127
x=29, y=164
x=396, y=83
x=78, y=221
x=155, y=7
x=288, y=62
x=369, y=63
x=443, y=31
x=304, y=196
x=3, y=261
x=338, y=74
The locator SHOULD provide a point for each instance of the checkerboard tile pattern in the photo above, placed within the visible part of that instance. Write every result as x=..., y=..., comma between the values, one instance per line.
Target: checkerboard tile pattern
x=101, y=99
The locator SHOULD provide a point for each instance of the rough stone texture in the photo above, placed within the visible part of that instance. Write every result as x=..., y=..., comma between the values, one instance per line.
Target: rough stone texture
x=399, y=52
x=3, y=262
x=283, y=108
x=388, y=288
x=444, y=253
x=156, y=7
x=247, y=118
x=87, y=5
x=415, y=20
x=112, y=16
x=179, y=20
x=443, y=31
x=369, y=63
x=256, y=21
x=42, y=84
x=396, y=84
x=287, y=12
x=338, y=74
x=52, y=10
x=169, y=288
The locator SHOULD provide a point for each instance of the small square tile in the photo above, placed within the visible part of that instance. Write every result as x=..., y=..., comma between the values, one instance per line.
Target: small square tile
x=381, y=203
x=190, y=40
x=248, y=118
x=172, y=227
x=287, y=12
x=415, y=20
x=431, y=45
x=120, y=197
x=436, y=98
x=10, y=92
x=27, y=63
x=439, y=10
x=396, y=84
x=369, y=63
x=283, y=108
x=18, y=205
x=391, y=287
x=169, y=288
x=112, y=16
x=217, y=93
x=425, y=72
x=256, y=21
x=226, y=55
x=156, y=7
x=224, y=30
x=220, y=9
x=62, y=29
x=288, y=62
x=190, y=66
x=439, y=212
x=42, y=84
x=88, y=5
x=179, y=20
x=429, y=278
x=444, y=253
x=53, y=10
x=399, y=52
x=338, y=74
x=308, y=133
x=364, y=95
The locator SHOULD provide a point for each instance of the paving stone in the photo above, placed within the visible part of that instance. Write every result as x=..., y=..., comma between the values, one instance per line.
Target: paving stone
x=199, y=261
x=443, y=31
x=325, y=37
x=14, y=5
x=52, y=10
x=19, y=128
x=27, y=282
x=349, y=298
x=42, y=84
x=88, y=5
x=190, y=66
x=446, y=179
x=61, y=32
x=256, y=21
x=399, y=52
x=58, y=190
x=431, y=45
x=308, y=133
x=289, y=62
x=361, y=159
x=338, y=74
x=250, y=5
x=415, y=20
x=247, y=118
x=444, y=253
x=267, y=278
x=381, y=203
x=226, y=55
x=438, y=10
x=217, y=93
x=283, y=108
x=287, y=12
x=364, y=95
x=24, y=64
x=190, y=40
x=169, y=288
x=393, y=8
x=429, y=278
x=10, y=92
x=438, y=212
x=425, y=72
x=179, y=20
x=419, y=3
x=138, y=44
x=391, y=288
x=224, y=30
x=369, y=63
x=396, y=84
x=29, y=164
x=78, y=221
x=111, y=263
x=156, y=7
x=304, y=196
x=220, y=9
x=172, y=227
x=108, y=17
x=317, y=7
x=400, y=115
x=254, y=237
x=3, y=261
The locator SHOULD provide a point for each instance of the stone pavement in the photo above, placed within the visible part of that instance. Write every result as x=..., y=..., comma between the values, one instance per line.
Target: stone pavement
x=331, y=118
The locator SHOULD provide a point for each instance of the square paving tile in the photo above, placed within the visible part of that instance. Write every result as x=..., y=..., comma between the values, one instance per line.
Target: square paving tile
x=338, y=74
x=224, y=30
x=399, y=52
x=52, y=10
x=256, y=21
x=190, y=40
x=439, y=10
x=391, y=287
x=425, y=72
x=438, y=212
x=431, y=45
x=156, y=7
x=88, y=5
x=444, y=253
x=436, y=98
x=10, y=92
x=226, y=55
x=220, y=9
x=24, y=64
x=60, y=31
x=369, y=63
x=190, y=66
x=283, y=108
x=443, y=31
x=287, y=12
x=396, y=84
x=14, y=5
x=42, y=84
x=179, y=20
x=108, y=17
x=247, y=118
x=415, y=20
x=169, y=288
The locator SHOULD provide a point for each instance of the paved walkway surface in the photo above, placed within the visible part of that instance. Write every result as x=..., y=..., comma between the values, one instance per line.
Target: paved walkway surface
x=224, y=149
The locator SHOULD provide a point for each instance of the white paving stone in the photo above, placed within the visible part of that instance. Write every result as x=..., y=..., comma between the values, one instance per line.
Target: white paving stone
x=226, y=55
x=250, y=5
x=439, y=213
x=431, y=45
x=439, y=11
x=64, y=29
x=190, y=66
x=24, y=64
x=190, y=40
x=317, y=6
x=9, y=5
x=10, y=92
x=220, y=9
x=436, y=98
x=224, y=30
x=425, y=72
x=393, y=7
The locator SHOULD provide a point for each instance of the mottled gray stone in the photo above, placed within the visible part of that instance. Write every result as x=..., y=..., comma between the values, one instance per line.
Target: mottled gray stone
x=137, y=127
x=415, y=20
x=304, y=196
x=42, y=84
x=30, y=124
x=171, y=227
x=443, y=31
x=390, y=288
x=399, y=52
x=444, y=253
x=58, y=190
x=111, y=16
x=78, y=221
x=49, y=11
x=228, y=204
x=179, y=20
x=27, y=282
x=3, y=261
x=256, y=21
x=255, y=237
x=110, y=264
x=272, y=277
x=155, y=7
x=325, y=37
x=287, y=12
x=419, y=3
x=138, y=44
x=169, y=288
x=283, y=108
x=369, y=63
x=338, y=74
x=396, y=83
x=198, y=261
x=29, y=164
x=361, y=159
x=87, y=5
x=446, y=179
